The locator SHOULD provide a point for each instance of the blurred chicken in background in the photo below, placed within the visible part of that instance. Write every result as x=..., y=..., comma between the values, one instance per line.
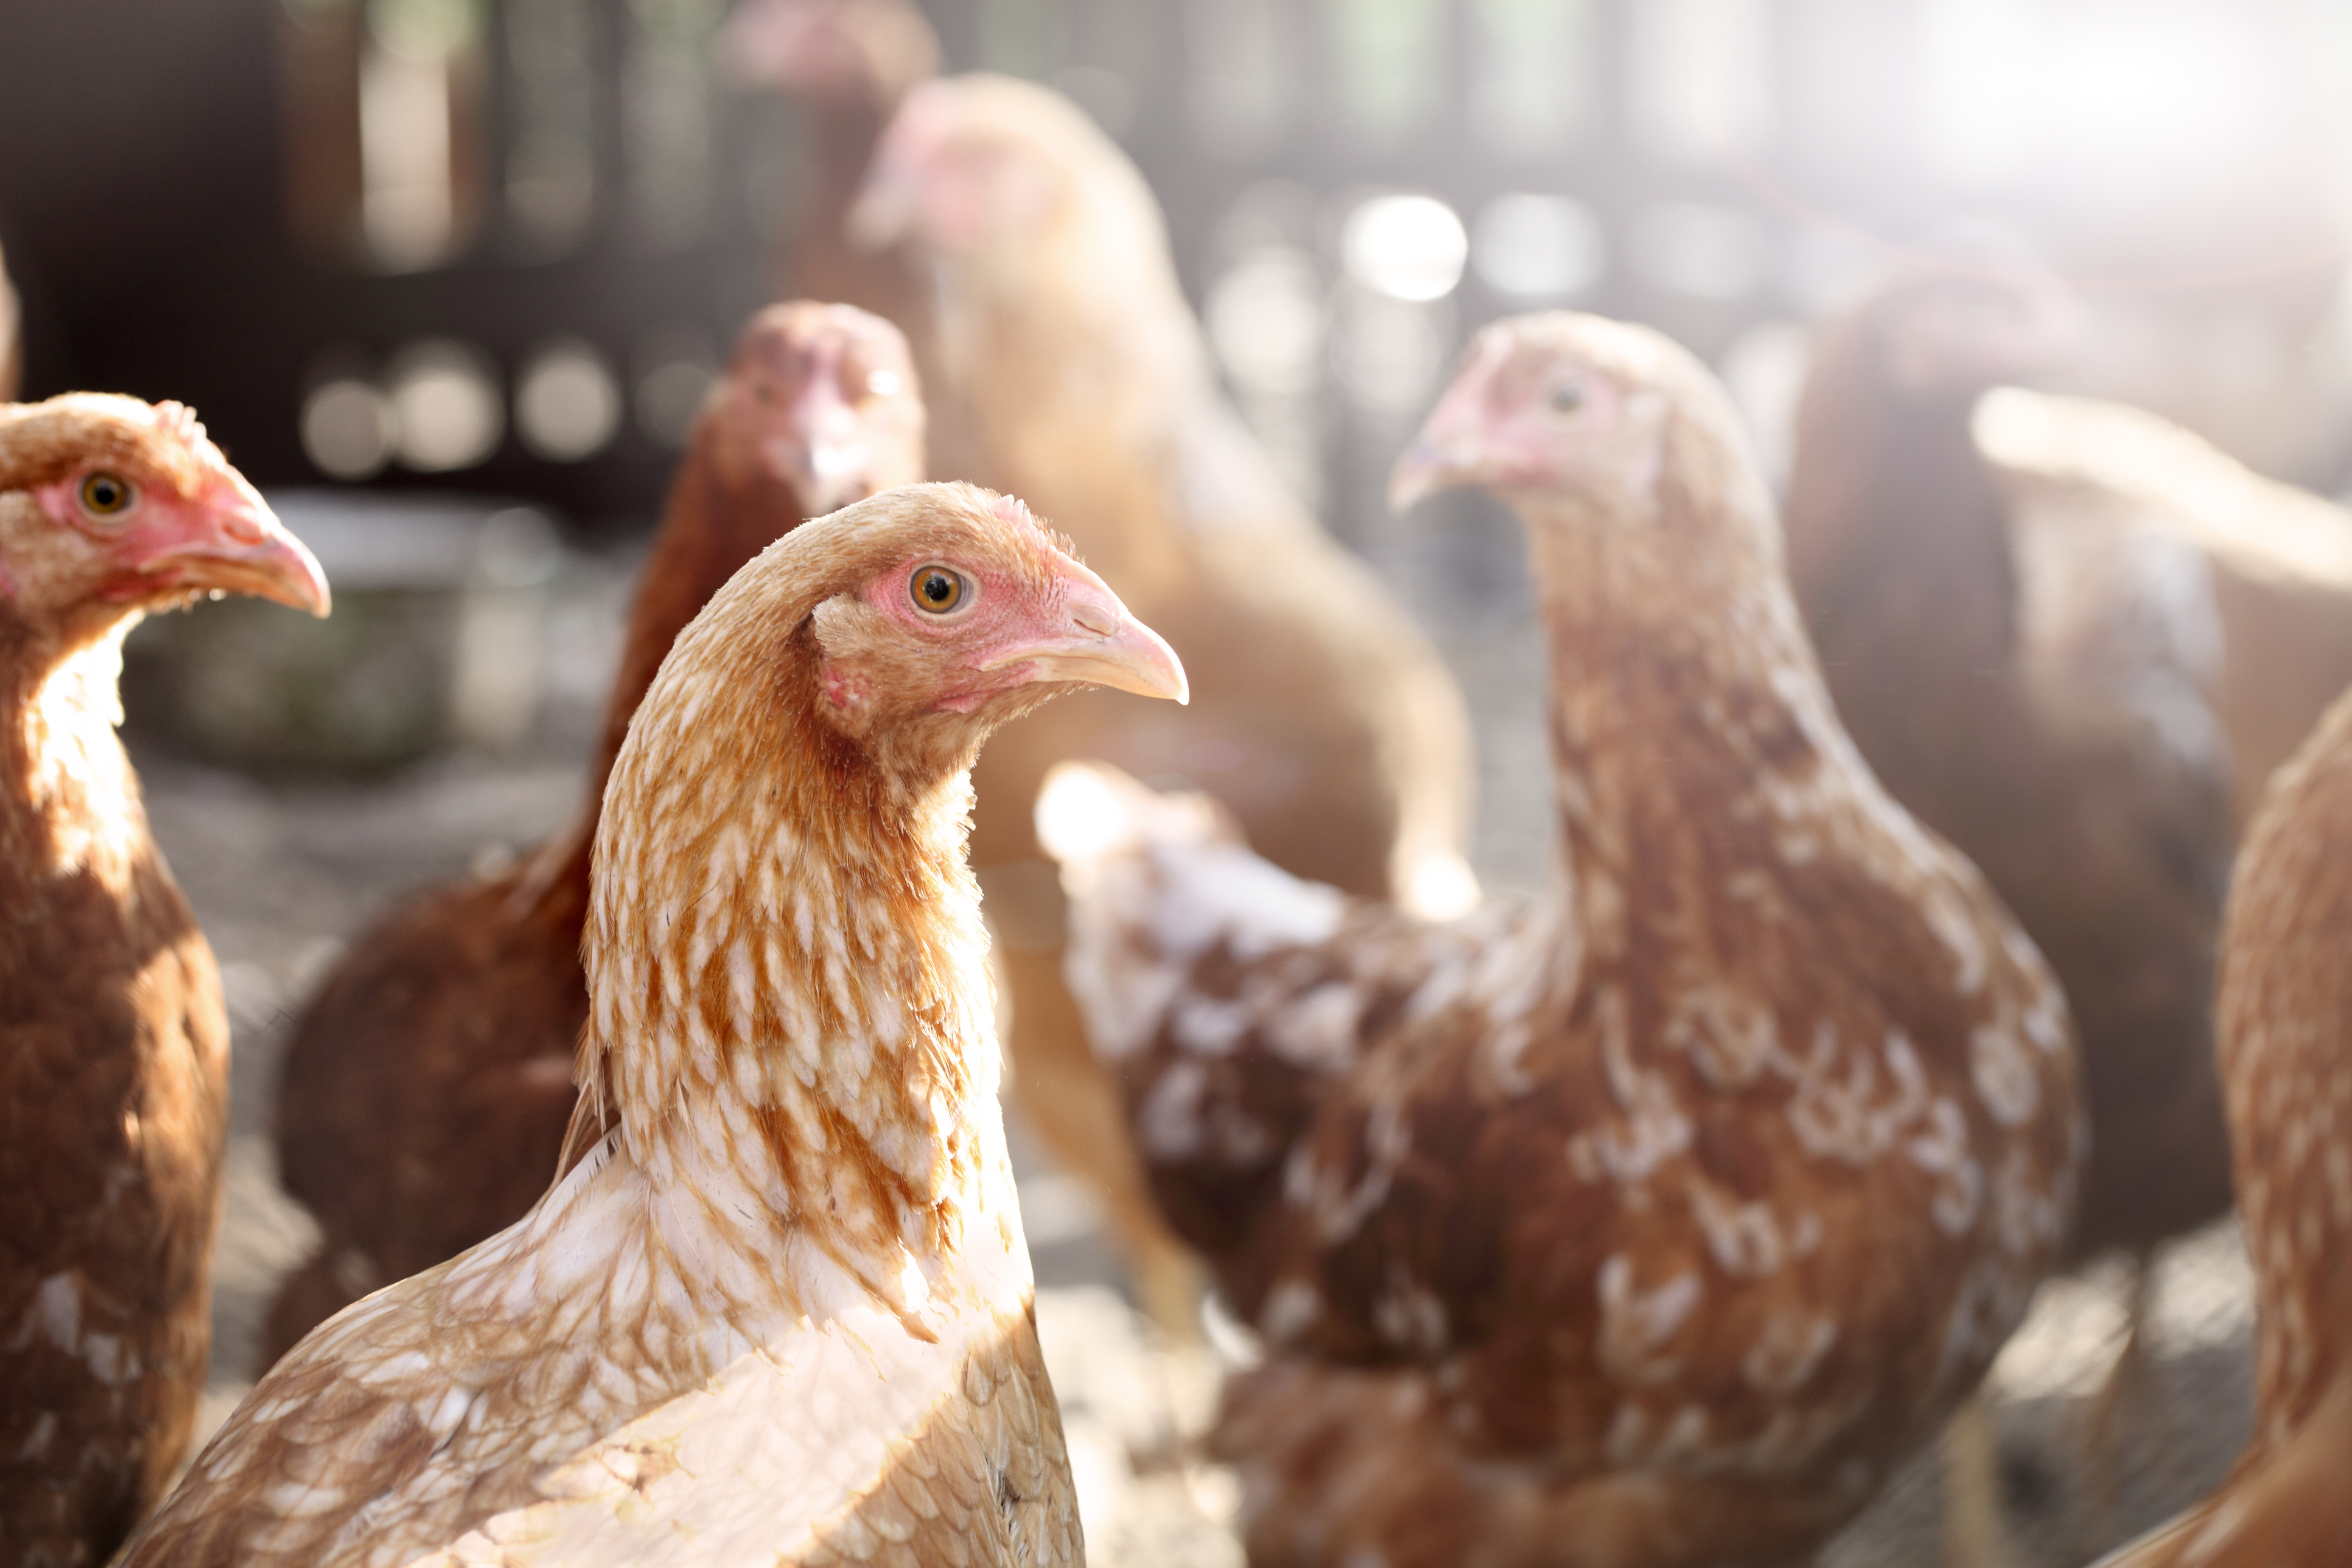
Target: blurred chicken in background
x=426, y=1087
x=2035, y=684
x=847, y=64
x=114, y=1041
x=1071, y=372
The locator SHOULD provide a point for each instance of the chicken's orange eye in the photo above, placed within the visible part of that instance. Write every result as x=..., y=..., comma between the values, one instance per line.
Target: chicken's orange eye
x=103, y=495
x=938, y=590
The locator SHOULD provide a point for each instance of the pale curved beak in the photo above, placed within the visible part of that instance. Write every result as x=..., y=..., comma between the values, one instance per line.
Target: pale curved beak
x=1101, y=644
x=1446, y=452
x=1425, y=468
x=236, y=545
x=827, y=457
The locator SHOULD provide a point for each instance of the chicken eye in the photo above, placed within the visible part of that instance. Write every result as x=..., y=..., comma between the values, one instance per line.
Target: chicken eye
x=104, y=495
x=938, y=590
x=882, y=384
x=1566, y=399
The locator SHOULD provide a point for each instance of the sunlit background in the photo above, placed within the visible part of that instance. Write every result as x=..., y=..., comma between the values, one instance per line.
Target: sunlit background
x=449, y=278
x=499, y=243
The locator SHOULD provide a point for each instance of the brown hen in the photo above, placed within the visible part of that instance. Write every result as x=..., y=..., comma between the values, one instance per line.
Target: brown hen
x=776, y=1309
x=426, y=1087
x=1649, y=1222
x=2285, y=1026
x=1070, y=370
x=113, y=1046
x=2041, y=696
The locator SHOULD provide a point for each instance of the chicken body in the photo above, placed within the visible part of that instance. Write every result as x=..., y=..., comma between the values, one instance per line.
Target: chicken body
x=2038, y=692
x=2285, y=1027
x=427, y=1086
x=1649, y=1222
x=776, y=1309
x=113, y=1044
x=847, y=64
x=1069, y=368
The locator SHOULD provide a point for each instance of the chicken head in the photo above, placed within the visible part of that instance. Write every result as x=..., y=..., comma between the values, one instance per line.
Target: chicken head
x=109, y=505
x=986, y=167
x=822, y=399
x=1530, y=411
x=974, y=626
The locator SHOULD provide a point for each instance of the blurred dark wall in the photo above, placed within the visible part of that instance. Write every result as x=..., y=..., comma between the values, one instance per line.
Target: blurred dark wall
x=139, y=203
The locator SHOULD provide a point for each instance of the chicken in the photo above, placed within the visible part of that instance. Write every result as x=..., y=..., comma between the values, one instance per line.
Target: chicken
x=848, y=63
x=776, y=1307
x=426, y=1087
x=113, y=1046
x=1071, y=372
x=2280, y=559
x=2285, y=1028
x=1650, y=1221
x=2040, y=696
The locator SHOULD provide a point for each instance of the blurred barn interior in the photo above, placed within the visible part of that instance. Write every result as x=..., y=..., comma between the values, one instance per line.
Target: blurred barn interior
x=448, y=279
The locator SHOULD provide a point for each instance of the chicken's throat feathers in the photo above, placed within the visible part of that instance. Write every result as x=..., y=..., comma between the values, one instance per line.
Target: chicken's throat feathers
x=787, y=969
x=1687, y=704
x=71, y=798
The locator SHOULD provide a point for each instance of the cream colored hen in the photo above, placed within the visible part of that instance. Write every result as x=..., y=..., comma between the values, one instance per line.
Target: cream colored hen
x=776, y=1308
x=1066, y=367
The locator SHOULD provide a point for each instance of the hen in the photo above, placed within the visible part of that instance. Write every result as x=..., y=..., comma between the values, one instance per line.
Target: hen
x=2285, y=1027
x=425, y=1089
x=2038, y=696
x=1071, y=371
x=113, y=1046
x=1648, y=1222
x=776, y=1308
x=848, y=63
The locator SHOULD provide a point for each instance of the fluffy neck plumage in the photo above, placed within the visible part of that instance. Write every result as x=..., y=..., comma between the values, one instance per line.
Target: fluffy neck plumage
x=70, y=799
x=788, y=978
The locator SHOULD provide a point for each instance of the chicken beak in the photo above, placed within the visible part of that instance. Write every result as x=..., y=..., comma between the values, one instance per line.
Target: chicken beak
x=826, y=456
x=1453, y=446
x=1446, y=453
x=1101, y=644
x=235, y=543
x=1425, y=468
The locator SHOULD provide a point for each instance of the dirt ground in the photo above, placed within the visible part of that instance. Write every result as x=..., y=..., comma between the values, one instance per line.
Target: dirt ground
x=283, y=872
